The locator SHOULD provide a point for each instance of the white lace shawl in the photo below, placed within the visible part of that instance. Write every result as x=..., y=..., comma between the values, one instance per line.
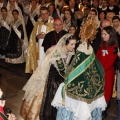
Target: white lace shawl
x=38, y=79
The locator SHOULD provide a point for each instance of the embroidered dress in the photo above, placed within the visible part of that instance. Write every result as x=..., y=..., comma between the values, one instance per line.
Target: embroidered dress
x=32, y=19
x=68, y=24
x=4, y=34
x=81, y=96
x=14, y=49
x=10, y=8
x=41, y=87
x=54, y=80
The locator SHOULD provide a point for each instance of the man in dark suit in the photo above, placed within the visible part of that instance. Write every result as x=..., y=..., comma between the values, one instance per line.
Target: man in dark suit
x=112, y=7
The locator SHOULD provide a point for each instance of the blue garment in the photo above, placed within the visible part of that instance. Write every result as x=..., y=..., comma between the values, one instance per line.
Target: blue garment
x=96, y=114
x=63, y=114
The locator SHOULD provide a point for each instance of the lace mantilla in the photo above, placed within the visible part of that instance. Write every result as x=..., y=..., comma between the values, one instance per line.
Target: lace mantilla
x=39, y=77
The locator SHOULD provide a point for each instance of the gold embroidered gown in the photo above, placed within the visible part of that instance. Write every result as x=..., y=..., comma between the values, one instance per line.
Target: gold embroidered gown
x=41, y=87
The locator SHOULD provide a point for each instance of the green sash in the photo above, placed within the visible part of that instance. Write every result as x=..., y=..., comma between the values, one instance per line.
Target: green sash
x=84, y=78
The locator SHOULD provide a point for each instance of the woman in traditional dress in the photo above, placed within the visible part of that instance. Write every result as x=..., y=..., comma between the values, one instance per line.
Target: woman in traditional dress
x=14, y=53
x=4, y=31
x=107, y=55
x=12, y=5
x=81, y=96
x=52, y=11
x=94, y=15
x=42, y=86
x=68, y=19
x=33, y=13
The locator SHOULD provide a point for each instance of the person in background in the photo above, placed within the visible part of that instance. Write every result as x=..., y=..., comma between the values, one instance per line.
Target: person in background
x=33, y=12
x=93, y=14
x=73, y=6
x=55, y=35
x=96, y=43
x=42, y=26
x=12, y=4
x=3, y=3
x=86, y=11
x=5, y=30
x=104, y=5
x=102, y=16
x=72, y=29
x=52, y=11
x=14, y=50
x=86, y=3
x=107, y=54
x=95, y=4
x=79, y=15
x=68, y=19
x=109, y=16
x=112, y=7
x=5, y=115
x=116, y=25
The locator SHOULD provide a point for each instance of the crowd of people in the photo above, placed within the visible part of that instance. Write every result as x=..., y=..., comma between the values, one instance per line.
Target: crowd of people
x=72, y=49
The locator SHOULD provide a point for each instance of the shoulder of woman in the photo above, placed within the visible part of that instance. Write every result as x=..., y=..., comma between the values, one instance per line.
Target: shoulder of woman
x=50, y=50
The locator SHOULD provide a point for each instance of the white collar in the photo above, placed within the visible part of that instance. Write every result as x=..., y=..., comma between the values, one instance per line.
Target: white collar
x=104, y=8
x=111, y=7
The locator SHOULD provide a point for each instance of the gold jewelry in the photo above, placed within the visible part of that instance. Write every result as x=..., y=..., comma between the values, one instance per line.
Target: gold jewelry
x=88, y=30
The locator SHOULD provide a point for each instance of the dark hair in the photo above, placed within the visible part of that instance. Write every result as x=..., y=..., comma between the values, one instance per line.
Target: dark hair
x=66, y=2
x=15, y=10
x=102, y=11
x=69, y=10
x=43, y=8
x=115, y=17
x=113, y=36
x=4, y=8
x=94, y=10
x=72, y=37
x=3, y=97
x=53, y=5
x=73, y=26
